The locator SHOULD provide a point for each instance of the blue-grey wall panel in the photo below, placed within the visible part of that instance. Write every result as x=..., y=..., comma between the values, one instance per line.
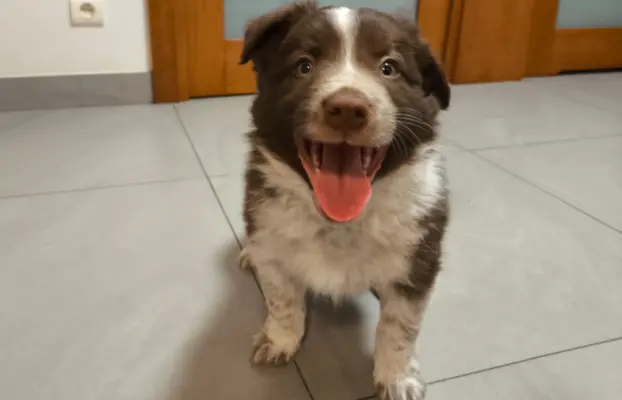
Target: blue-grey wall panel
x=589, y=13
x=237, y=12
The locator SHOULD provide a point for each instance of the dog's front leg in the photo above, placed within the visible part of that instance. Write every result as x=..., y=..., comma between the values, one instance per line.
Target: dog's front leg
x=396, y=369
x=280, y=338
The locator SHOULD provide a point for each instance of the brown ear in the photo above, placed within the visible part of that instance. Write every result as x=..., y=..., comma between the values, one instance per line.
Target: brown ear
x=434, y=78
x=274, y=24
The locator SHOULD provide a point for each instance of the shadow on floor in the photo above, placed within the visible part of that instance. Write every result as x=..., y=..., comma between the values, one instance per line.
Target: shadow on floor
x=216, y=363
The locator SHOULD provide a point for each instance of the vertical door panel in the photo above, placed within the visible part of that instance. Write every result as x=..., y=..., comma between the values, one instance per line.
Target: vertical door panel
x=494, y=40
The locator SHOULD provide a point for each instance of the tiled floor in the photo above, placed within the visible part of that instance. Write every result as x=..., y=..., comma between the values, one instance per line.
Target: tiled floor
x=117, y=256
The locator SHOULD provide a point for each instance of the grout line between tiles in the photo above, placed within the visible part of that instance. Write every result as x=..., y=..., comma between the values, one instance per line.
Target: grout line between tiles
x=555, y=353
x=94, y=188
x=538, y=187
x=302, y=378
x=545, y=142
x=510, y=364
x=449, y=142
x=588, y=104
x=223, y=175
x=207, y=178
x=222, y=209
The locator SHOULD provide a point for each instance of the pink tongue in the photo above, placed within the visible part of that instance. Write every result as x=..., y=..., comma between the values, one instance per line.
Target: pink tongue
x=341, y=186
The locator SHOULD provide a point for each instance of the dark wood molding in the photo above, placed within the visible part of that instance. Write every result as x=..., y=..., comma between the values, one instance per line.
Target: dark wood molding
x=588, y=49
x=452, y=42
x=540, y=56
x=433, y=20
x=205, y=31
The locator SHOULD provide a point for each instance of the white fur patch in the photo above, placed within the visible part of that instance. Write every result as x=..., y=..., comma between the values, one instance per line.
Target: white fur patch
x=345, y=259
x=283, y=341
x=396, y=366
x=344, y=20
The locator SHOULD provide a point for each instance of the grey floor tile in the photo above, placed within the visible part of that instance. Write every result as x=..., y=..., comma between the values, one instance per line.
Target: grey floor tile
x=218, y=129
x=128, y=293
x=89, y=147
x=525, y=275
x=514, y=113
x=589, y=373
x=13, y=119
x=602, y=90
x=585, y=173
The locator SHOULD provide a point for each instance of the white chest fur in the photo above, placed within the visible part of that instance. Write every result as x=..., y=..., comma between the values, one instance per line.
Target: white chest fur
x=345, y=259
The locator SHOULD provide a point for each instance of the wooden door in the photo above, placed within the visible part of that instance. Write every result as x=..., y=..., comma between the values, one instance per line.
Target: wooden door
x=196, y=44
x=501, y=40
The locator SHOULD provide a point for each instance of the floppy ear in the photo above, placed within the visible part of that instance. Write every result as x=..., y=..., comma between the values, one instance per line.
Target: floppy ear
x=434, y=78
x=270, y=27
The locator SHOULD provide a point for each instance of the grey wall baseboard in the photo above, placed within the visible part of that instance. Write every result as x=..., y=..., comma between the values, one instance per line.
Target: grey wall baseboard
x=47, y=92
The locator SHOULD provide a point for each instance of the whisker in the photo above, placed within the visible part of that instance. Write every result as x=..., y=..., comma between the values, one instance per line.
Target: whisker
x=398, y=139
x=417, y=121
x=418, y=124
x=407, y=123
x=404, y=135
x=411, y=112
x=403, y=144
x=409, y=134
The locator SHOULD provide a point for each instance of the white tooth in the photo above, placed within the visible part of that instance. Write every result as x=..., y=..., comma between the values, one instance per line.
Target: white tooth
x=366, y=154
x=315, y=151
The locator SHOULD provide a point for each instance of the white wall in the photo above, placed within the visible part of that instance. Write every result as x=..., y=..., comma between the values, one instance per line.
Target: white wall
x=36, y=39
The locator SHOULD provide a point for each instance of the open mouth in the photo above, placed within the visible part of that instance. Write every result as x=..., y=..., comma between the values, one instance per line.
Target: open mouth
x=341, y=176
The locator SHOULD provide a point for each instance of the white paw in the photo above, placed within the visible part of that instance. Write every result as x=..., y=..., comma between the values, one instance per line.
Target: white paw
x=273, y=352
x=411, y=387
x=244, y=260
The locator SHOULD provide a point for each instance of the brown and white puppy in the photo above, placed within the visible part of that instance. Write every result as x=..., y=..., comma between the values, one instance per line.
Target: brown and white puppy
x=345, y=187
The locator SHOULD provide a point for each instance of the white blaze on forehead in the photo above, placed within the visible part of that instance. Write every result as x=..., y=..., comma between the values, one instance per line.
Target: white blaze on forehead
x=345, y=20
x=347, y=72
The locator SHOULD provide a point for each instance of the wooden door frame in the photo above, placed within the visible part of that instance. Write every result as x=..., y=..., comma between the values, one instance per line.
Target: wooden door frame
x=554, y=50
x=530, y=38
x=175, y=29
x=168, y=50
x=185, y=33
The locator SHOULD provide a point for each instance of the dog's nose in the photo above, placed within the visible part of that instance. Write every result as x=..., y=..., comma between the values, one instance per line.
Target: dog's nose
x=346, y=110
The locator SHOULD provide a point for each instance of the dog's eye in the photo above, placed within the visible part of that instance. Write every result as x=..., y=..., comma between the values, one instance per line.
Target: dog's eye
x=388, y=68
x=304, y=66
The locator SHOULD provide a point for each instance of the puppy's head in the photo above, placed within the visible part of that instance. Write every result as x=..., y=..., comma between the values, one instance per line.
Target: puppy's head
x=345, y=96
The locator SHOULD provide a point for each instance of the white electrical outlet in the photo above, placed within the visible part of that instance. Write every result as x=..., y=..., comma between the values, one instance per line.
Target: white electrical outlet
x=87, y=12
